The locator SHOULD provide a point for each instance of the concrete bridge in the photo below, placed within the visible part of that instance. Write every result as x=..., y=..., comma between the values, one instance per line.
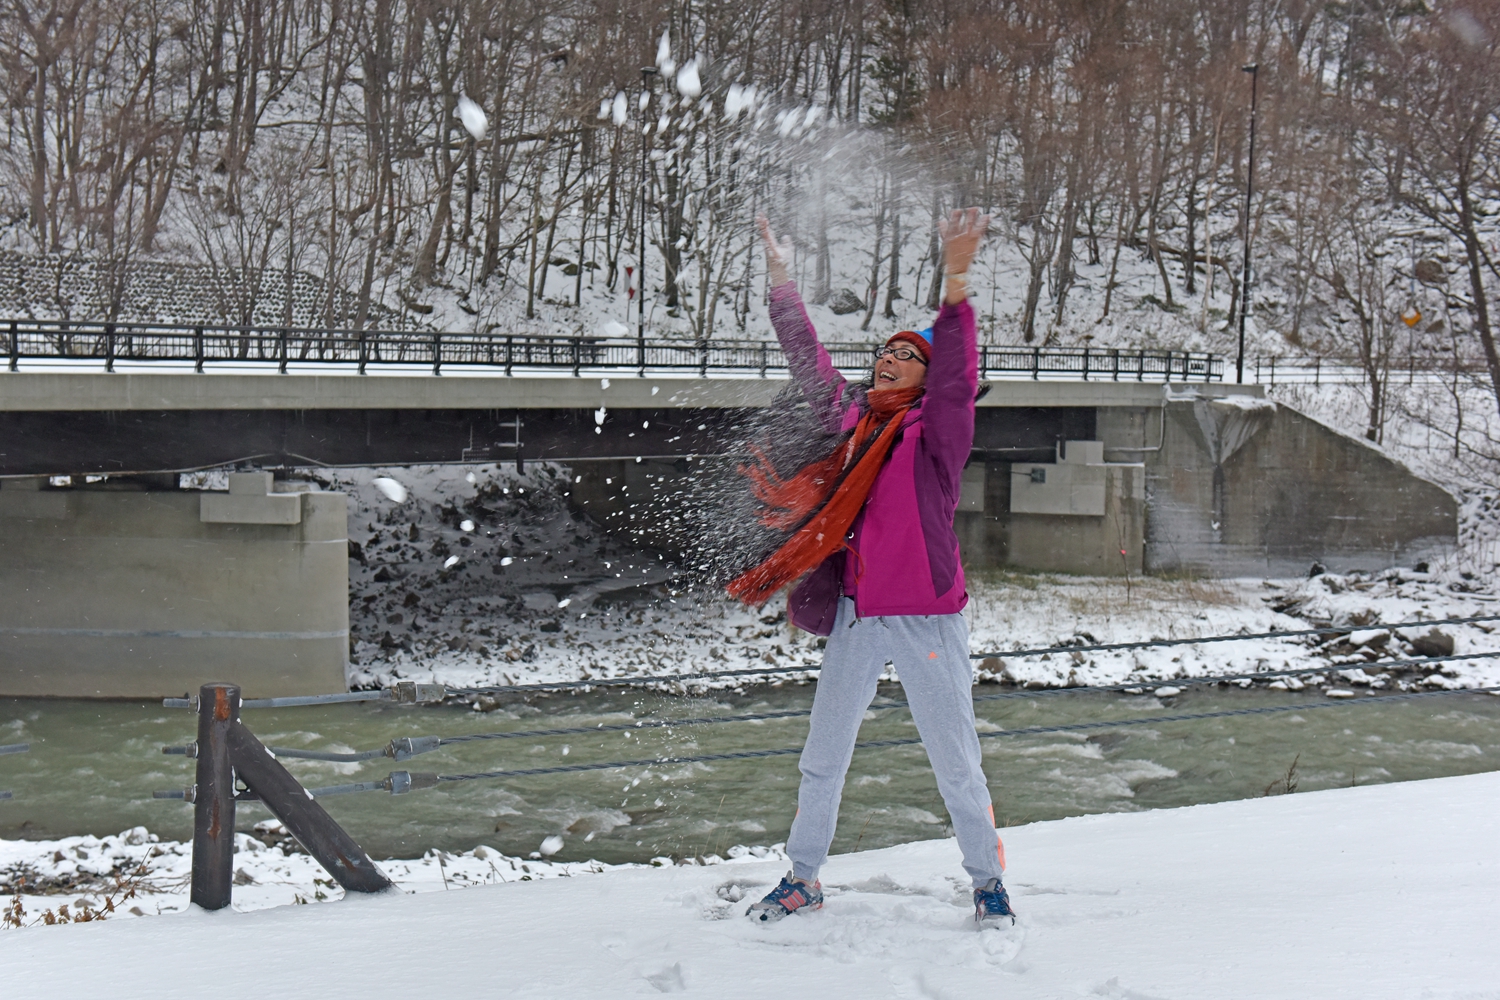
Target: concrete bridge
x=75, y=423
x=1117, y=476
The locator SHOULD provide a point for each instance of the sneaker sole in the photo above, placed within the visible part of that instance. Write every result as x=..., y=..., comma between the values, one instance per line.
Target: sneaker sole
x=770, y=916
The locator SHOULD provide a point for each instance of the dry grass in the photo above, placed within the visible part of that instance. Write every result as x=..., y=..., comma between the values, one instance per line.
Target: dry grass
x=124, y=889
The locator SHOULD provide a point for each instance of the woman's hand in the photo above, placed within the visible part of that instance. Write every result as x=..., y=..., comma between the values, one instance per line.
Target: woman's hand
x=778, y=252
x=961, y=234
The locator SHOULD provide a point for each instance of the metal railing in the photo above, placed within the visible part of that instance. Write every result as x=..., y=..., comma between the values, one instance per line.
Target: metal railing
x=1347, y=370
x=222, y=346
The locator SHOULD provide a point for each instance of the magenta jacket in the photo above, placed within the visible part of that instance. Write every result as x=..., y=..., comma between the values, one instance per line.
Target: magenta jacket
x=903, y=556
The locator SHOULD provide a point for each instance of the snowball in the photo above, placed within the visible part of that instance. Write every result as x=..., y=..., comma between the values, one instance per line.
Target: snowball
x=506, y=561
x=619, y=109
x=473, y=117
x=1168, y=692
x=472, y=479
x=466, y=525
x=450, y=562
x=565, y=602
x=551, y=846
x=664, y=60
x=688, y=83
x=393, y=491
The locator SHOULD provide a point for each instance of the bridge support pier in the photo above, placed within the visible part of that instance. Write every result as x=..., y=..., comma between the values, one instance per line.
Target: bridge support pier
x=137, y=594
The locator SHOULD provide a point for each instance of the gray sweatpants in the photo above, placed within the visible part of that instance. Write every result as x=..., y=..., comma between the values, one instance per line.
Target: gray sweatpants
x=931, y=655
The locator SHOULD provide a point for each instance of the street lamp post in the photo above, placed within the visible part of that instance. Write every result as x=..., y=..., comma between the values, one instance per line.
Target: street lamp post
x=1239, y=365
x=647, y=74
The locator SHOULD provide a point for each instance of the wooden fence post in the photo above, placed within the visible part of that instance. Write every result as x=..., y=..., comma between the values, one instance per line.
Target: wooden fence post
x=213, y=800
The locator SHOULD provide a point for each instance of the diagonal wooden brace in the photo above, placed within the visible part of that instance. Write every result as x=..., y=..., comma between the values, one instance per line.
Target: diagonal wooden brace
x=300, y=813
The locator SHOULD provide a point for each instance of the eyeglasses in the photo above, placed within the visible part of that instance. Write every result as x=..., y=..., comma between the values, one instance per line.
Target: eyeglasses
x=900, y=354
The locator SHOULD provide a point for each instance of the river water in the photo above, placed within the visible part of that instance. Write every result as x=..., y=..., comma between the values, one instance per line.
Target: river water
x=94, y=765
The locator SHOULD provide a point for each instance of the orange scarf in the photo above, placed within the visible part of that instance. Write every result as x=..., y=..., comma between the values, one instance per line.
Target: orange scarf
x=824, y=496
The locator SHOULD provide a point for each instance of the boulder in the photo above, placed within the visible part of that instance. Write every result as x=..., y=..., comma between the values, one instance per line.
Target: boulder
x=1434, y=643
x=845, y=302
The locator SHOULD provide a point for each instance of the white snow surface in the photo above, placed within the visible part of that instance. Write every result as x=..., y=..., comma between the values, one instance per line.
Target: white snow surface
x=1379, y=891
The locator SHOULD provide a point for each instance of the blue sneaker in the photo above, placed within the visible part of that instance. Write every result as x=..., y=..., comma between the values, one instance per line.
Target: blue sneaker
x=992, y=905
x=791, y=895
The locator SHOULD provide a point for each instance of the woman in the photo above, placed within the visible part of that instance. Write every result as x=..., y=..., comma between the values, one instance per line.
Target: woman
x=878, y=561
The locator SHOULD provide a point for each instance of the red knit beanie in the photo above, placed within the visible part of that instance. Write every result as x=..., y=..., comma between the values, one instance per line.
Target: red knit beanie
x=915, y=339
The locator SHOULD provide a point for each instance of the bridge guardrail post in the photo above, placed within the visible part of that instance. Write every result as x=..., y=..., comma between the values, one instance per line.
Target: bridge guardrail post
x=509, y=352
x=281, y=345
x=15, y=346
x=765, y=351
x=437, y=354
x=363, y=351
x=198, y=349
x=109, y=347
x=577, y=358
x=1036, y=362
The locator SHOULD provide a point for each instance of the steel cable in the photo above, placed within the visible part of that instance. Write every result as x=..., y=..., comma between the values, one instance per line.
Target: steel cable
x=432, y=779
x=913, y=740
x=407, y=692
x=12, y=748
x=434, y=742
x=1039, y=651
x=1287, y=634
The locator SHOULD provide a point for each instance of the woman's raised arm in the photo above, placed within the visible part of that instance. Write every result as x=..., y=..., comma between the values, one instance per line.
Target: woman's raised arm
x=811, y=367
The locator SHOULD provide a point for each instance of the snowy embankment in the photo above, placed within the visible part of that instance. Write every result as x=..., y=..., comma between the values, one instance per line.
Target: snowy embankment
x=1378, y=891
x=484, y=577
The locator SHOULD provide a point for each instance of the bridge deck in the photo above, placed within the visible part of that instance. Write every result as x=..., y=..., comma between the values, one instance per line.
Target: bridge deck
x=94, y=391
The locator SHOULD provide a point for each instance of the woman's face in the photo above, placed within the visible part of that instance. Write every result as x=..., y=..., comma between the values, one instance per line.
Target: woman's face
x=894, y=373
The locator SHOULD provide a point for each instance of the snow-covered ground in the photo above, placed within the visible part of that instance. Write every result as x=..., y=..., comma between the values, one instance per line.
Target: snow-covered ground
x=141, y=875
x=1372, y=892
x=496, y=581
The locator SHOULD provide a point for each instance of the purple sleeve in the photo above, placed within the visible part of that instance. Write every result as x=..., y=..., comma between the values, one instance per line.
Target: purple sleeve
x=952, y=382
x=811, y=367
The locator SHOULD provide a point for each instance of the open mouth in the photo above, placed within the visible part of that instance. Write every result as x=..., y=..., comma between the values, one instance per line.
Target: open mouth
x=886, y=377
